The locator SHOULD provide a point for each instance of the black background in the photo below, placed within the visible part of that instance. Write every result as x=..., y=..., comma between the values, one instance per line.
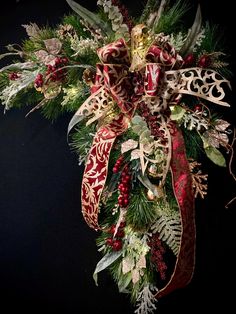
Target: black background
x=47, y=252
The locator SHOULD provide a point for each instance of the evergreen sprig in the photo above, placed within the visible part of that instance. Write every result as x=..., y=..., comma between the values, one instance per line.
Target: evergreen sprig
x=141, y=212
x=169, y=21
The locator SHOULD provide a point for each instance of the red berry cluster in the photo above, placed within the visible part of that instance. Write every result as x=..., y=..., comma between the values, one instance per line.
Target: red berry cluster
x=118, y=164
x=157, y=252
x=55, y=72
x=126, y=16
x=152, y=120
x=13, y=76
x=203, y=62
x=116, y=242
x=123, y=187
x=38, y=82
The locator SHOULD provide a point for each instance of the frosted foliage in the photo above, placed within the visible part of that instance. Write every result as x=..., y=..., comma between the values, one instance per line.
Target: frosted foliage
x=146, y=301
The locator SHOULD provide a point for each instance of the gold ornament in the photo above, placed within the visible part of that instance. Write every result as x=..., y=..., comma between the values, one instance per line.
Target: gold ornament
x=141, y=40
x=89, y=77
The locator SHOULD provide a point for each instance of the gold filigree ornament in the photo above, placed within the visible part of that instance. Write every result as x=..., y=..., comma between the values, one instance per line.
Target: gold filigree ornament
x=141, y=40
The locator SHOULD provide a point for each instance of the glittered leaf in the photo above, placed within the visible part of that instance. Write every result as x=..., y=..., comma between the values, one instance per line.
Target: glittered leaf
x=135, y=154
x=128, y=145
x=127, y=264
x=32, y=30
x=53, y=45
x=221, y=125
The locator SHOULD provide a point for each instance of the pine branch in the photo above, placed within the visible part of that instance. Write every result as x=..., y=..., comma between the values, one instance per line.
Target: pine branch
x=170, y=18
x=82, y=139
x=141, y=212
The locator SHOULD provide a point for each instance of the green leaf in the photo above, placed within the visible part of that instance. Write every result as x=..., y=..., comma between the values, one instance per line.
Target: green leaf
x=177, y=113
x=215, y=155
x=105, y=262
x=90, y=17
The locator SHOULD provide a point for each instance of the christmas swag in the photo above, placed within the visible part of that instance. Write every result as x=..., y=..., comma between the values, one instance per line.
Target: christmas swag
x=144, y=96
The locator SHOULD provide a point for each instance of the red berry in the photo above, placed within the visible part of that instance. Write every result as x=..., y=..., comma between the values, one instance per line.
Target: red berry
x=117, y=245
x=204, y=61
x=112, y=229
x=189, y=59
x=109, y=241
x=120, y=233
x=121, y=202
x=126, y=202
x=198, y=107
x=115, y=169
x=120, y=186
x=122, y=224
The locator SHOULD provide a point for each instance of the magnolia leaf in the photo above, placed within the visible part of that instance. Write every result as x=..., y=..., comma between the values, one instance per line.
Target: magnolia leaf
x=105, y=262
x=193, y=35
x=128, y=145
x=90, y=17
x=177, y=113
x=123, y=283
x=216, y=156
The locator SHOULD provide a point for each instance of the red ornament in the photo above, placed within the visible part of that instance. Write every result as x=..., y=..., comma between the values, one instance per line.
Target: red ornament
x=204, y=61
x=189, y=59
x=117, y=245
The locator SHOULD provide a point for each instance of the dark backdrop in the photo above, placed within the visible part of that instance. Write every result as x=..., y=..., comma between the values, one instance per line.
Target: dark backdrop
x=47, y=252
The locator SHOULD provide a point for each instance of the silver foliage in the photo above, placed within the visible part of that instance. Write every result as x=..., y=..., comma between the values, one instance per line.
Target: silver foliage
x=146, y=301
x=169, y=228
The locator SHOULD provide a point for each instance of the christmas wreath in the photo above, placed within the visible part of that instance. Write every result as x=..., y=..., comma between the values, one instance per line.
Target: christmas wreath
x=145, y=94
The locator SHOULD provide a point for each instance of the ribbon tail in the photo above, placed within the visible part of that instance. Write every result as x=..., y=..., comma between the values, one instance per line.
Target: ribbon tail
x=96, y=169
x=182, y=183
